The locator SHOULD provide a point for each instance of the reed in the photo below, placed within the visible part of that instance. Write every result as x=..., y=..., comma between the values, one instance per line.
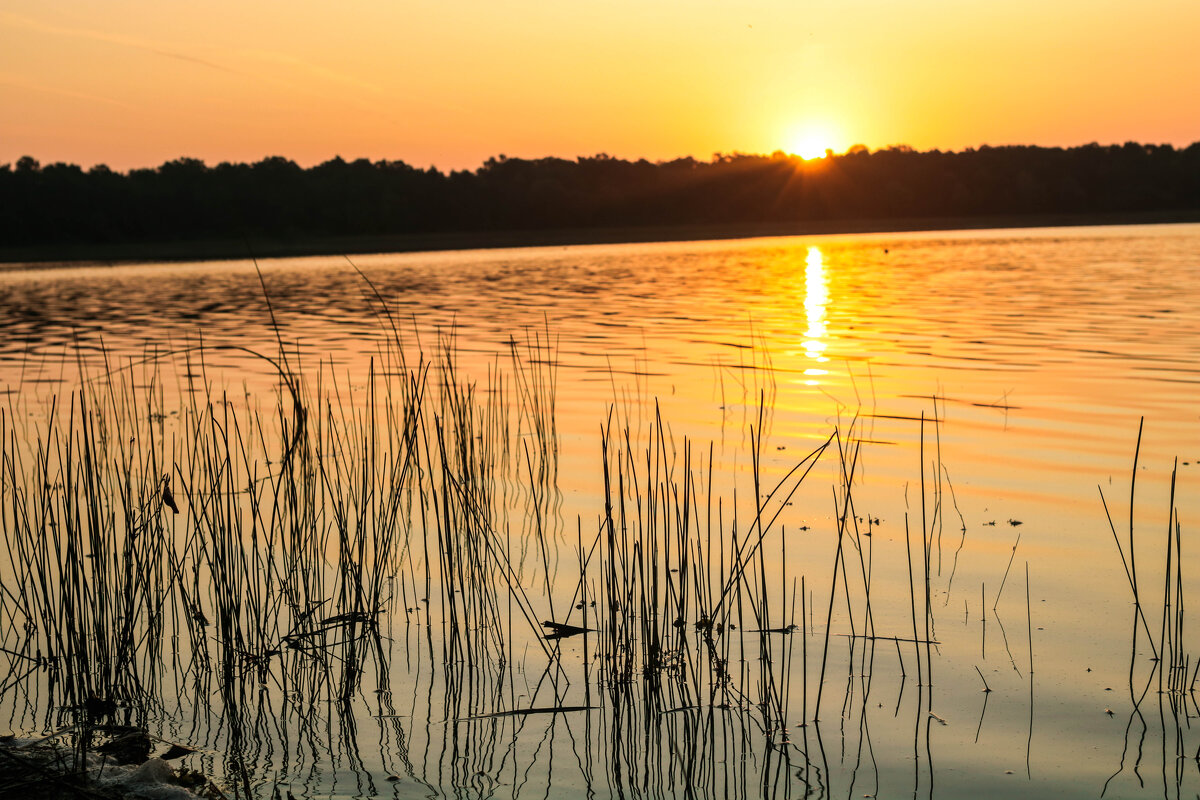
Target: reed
x=345, y=522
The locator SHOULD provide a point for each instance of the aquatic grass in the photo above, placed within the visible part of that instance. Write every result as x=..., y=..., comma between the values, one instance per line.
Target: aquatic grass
x=1170, y=661
x=344, y=521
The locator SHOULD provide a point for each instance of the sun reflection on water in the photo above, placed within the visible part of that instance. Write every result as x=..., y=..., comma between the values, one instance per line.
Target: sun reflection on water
x=816, y=298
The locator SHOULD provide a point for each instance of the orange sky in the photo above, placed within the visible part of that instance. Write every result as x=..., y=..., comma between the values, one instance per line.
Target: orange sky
x=451, y=82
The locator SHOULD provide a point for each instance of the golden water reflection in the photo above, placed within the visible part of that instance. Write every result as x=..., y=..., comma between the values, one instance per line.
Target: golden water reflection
x=816, y=299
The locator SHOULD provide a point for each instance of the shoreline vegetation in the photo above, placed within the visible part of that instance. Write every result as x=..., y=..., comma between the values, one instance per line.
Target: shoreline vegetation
x=187, y=210
x=237, y=571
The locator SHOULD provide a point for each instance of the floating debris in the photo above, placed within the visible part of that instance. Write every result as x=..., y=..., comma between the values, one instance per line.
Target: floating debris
x=561, y=630
x=524, y=712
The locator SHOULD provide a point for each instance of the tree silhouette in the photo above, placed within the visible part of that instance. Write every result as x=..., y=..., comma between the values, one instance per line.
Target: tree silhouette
x=185, y=199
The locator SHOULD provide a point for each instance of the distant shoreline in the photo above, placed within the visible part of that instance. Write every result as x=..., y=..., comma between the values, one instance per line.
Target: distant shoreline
x=237, y=249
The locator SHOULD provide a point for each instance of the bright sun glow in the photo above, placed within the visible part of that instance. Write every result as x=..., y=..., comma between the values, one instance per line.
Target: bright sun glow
x=809, y=142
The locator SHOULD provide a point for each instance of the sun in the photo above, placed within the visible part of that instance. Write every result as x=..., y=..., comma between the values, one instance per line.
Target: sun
x=809, y=142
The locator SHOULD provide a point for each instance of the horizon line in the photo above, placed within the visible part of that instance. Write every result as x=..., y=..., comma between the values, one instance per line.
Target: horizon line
x=715, y=157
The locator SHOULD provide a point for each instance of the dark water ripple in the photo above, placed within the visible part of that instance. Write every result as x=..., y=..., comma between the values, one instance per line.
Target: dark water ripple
x=1108, y=300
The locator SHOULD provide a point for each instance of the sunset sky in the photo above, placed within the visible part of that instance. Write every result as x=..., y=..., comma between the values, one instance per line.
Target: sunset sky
x=451, y=82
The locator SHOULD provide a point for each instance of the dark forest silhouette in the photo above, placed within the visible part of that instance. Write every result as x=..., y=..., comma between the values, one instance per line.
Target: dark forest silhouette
x=186, y=200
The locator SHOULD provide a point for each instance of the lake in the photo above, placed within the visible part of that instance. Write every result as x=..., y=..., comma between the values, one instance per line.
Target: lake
x=798, y=501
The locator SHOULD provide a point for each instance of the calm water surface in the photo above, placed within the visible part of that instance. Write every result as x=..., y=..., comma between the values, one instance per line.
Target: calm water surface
x=1037, y=351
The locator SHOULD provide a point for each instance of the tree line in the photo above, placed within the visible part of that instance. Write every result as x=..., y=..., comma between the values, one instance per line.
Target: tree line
x=186, y=199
